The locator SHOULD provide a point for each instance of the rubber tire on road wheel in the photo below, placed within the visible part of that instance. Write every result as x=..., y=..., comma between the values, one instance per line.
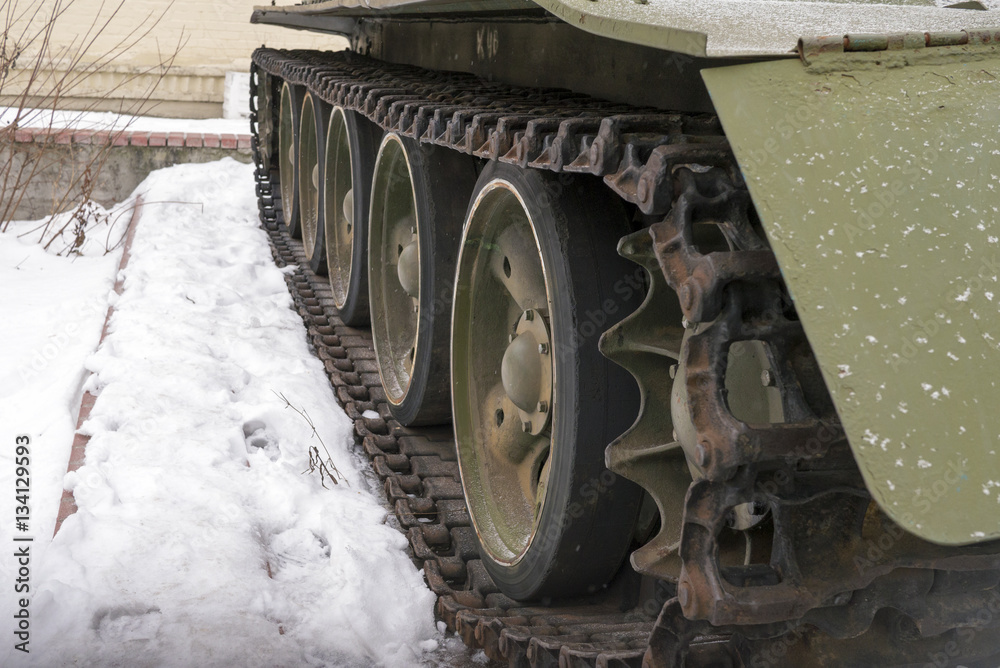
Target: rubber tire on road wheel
x=289, y=108
x=587, y=517
x=363, y=138
x=441, y=180
x=312, y=214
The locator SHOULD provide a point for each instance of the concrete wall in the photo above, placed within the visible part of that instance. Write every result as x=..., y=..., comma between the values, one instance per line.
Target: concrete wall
x=209, y=38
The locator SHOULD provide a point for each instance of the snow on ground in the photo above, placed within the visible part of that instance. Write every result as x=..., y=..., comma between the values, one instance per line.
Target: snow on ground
x=53, y=309
x=199, y=541
x=99, y=120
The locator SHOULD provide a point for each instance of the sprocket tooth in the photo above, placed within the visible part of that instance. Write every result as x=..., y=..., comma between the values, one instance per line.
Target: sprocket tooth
x=647, y=344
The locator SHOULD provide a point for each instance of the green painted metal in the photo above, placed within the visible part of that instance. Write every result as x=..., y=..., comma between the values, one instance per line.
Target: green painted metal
x=712, y=28
x=763, y=28
x=877, y=178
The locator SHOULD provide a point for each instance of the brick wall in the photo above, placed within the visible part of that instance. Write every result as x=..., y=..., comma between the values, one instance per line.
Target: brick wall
x=210, y=37
x=116, y=161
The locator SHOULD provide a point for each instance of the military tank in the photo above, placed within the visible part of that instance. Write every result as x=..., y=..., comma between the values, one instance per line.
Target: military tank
x=705, y=293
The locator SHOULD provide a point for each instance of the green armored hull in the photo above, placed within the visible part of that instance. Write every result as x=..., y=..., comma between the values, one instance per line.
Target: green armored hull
x=708, y=285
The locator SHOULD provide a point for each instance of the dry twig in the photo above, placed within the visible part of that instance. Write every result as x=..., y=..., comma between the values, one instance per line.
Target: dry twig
x=317, y=463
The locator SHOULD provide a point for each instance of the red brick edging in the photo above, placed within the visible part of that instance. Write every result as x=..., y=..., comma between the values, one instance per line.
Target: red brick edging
x=67, y=505
x=130, y=138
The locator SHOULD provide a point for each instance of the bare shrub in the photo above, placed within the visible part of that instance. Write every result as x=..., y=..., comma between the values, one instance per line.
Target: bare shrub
x=36, y=75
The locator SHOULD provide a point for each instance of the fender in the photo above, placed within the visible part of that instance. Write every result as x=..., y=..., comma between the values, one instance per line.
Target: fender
x=874, y=164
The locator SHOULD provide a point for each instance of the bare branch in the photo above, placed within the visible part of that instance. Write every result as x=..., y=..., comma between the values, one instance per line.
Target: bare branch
x=49, y=76
x=325, y=467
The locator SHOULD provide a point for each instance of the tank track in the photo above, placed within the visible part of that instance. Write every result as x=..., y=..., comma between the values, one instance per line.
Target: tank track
x=418, y=467
x=632, y=149
x=638, y=152
x=419, y=472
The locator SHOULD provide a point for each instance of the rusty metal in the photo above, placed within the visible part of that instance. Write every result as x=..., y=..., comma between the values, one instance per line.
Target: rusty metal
x=810, y=48
x=822, y=519
x=837, y=583
x=550, y=129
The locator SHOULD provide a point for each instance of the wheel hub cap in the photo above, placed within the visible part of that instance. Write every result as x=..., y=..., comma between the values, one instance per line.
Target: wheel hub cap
x=408, y=269
x=526, y=371
x=521, y=371
x=349, y=208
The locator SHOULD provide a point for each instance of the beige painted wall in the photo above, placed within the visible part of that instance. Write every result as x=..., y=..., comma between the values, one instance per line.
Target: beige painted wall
x=209, y=38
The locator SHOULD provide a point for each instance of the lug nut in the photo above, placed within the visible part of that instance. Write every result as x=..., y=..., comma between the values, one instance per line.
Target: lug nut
x=543, y=348
x=526, y=426
x=673, y=371
x=767, y=378
x=529, y=315
x=543, y=407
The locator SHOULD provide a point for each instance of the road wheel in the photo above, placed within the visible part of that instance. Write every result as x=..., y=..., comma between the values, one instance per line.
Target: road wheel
x=349, y=161
x=288, y=154
x=419, y=196
x=534, y=401
x=313, y=122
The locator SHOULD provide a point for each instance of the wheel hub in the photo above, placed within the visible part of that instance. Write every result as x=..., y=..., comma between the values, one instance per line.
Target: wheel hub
x=408, y=269
x=526, y=371
x=349, y=208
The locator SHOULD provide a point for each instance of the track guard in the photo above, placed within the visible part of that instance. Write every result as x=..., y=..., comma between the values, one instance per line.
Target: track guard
x=874, y=163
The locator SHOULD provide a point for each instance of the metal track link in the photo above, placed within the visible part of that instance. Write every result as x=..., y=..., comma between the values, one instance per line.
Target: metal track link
x=634, y=150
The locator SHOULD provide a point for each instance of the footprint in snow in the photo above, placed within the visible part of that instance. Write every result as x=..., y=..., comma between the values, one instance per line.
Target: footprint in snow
x=298, y=547
x=126, y=624
x=258, y=437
